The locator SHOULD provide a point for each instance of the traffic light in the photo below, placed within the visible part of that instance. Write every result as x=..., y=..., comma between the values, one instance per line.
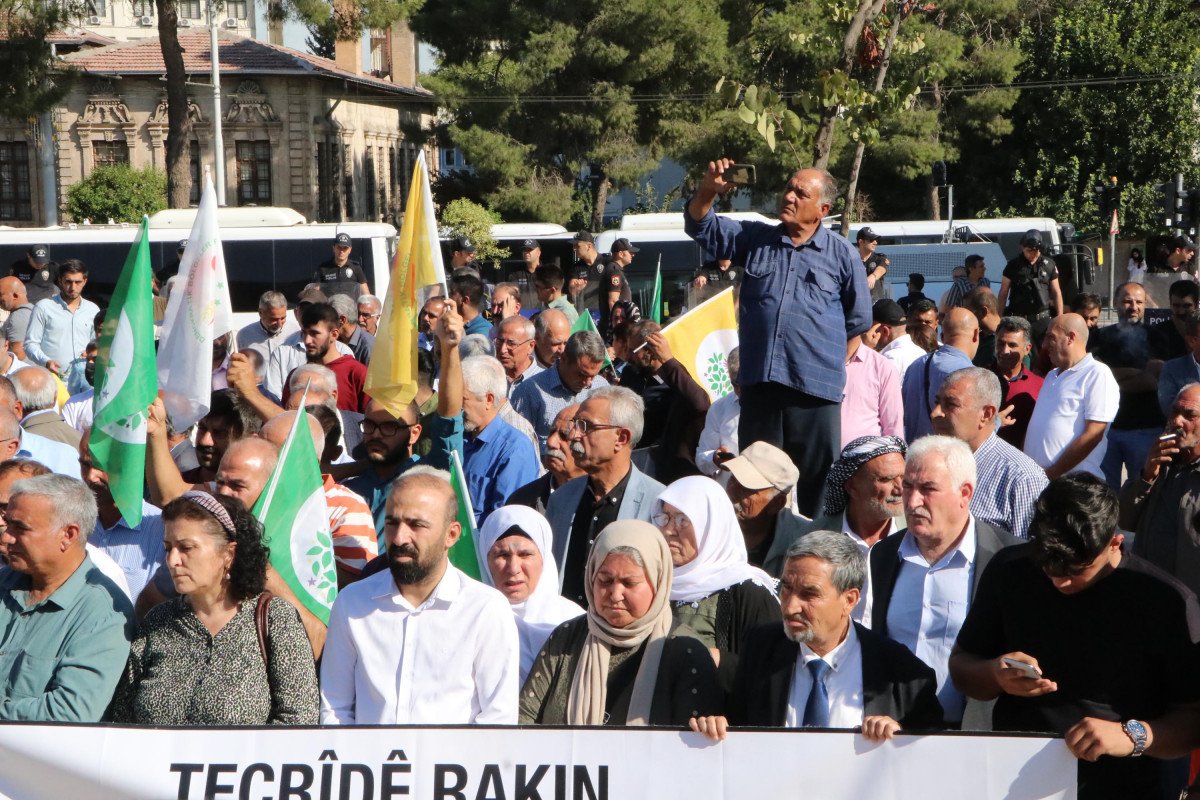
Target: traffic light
x=1108, y=198
x=1192, y=212
x=1173, y=197
x=939, y=173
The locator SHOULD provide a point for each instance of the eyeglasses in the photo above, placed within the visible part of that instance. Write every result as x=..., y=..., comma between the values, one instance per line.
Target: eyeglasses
x=362, y=315
x=586, y=426
x=662, y=519
x=369, y=428
x=510, y=344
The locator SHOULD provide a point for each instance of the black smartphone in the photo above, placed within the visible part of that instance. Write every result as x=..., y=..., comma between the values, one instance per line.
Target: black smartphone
x=739, y=174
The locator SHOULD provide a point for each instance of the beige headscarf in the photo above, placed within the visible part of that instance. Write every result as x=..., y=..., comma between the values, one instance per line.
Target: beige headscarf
x=589, y=687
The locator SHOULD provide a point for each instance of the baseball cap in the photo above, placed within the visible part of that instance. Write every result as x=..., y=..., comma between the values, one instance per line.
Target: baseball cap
x=583, y=236
x=1032, y=238
x=1182, y=241
x=761, y=465
x=888, y=312
x=182, y=245
x=623, y=244
x=462, y=244
x=311, y=294
x=343, y=239
x=530, y=244
x=40, y=254
x=868, y=234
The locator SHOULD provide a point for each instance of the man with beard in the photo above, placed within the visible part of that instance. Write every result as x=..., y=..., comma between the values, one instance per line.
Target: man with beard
x=420, y=643
x=923, y=579
x=497, y=458
x=61, y=326
x=559, y=462
x=319, y=324
x=761, y=479
x=272, y=328
x=214, y=432
x=922, y=325
x=137, y=549
x=1014, y=342
x=388, y=440
x=1009, y=481
x=863, y=500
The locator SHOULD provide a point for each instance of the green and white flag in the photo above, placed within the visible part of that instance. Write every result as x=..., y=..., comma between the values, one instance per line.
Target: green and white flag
x=586, y=323
x=464, y=554
x=296, y=520
x=126, y=383
x=656, y=302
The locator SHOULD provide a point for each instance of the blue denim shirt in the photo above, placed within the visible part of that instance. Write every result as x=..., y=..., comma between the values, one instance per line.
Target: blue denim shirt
x=798, y=305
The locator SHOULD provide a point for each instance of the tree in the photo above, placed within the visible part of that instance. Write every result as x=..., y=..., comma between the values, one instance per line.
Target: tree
x=542, y=95
x=464, y=218
x=119, y=193
x=31, y=79
x=322, y=38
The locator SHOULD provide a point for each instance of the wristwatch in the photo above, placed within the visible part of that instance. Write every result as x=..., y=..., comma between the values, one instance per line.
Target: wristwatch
x=1136, y=732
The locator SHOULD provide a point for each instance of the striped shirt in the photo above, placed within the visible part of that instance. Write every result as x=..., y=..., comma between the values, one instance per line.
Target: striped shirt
x=1009, y=483
x=351, y=526
x=540, y=398
x=137, y=551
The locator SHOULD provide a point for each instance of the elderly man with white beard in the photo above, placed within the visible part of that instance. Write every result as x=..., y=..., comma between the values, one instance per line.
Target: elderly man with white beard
x=559, y=462
x=863, y=500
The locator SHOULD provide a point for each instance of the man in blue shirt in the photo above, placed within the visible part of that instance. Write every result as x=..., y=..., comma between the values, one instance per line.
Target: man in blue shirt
x=960, y=341
x=467, y=292
x=60, y=327
x=804, y=294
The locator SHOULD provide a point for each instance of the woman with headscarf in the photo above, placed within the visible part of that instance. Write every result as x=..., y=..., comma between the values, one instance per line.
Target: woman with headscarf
x=621, y=664
x=222, y=652
x=516, y=543
x=717, y=593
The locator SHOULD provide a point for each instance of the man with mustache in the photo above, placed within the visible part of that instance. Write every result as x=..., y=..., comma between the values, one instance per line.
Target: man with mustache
x=420, y=642
x=863, y=500
x=559, y=462
x=1009, y=481
x=923, y=579
x=821, y=668
x=760, y=485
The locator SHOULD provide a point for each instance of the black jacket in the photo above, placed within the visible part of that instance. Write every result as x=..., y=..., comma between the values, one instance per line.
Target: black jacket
x=895, y=682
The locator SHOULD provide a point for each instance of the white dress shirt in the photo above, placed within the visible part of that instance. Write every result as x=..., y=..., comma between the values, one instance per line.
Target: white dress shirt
x=902, y=351
x=929, y=604
x=720, y=430
x=844, y=684
x=862, y=612
x=454, y=659
x=1069, y=399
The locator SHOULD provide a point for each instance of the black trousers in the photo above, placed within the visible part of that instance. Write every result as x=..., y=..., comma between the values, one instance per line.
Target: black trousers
x=807, y=428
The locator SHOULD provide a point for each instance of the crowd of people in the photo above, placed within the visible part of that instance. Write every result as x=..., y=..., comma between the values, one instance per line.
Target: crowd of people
x=905, y=517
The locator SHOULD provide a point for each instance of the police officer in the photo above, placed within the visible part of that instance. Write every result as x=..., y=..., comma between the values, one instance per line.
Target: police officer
x=875, y=264
x=720, y=275
x=1030, y=287
x=614, y=285
x=586, y=274
x=462, y=254
x=37, y=272
x=342, y=274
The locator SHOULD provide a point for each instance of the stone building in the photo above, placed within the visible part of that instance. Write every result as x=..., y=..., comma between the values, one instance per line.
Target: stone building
x=298, y=130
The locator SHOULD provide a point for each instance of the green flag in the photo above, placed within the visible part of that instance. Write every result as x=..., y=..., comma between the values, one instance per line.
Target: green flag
x=293, y=513
x=126, y=381
x=463, y=554
x=656, y=302
x=586, y=323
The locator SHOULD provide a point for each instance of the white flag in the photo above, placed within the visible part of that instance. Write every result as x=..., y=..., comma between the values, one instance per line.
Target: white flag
x=197, y=313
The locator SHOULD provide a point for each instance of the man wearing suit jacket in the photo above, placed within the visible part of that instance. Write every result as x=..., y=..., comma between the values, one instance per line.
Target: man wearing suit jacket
x=604, y=432
x=923, y=578
x=820, y=668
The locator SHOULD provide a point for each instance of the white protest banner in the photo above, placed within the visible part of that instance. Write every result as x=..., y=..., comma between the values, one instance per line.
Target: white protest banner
x=474, y=763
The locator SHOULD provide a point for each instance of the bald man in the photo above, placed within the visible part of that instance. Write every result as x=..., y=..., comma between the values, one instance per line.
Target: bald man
x=551, y=331
x=1079, y=400
x=960, y=342
x=350, y=522
x=14, y=300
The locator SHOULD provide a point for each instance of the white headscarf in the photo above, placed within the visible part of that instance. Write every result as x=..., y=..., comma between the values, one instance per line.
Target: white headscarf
x=545, y=609
x=721, y=560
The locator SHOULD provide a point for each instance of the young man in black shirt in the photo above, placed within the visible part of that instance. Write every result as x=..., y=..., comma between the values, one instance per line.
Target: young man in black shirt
x=1109, y=640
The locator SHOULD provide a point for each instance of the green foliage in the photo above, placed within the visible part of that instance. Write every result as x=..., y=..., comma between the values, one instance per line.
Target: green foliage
x=472, y=220
x=31, y=79
x=119, y=193
x=322, y=38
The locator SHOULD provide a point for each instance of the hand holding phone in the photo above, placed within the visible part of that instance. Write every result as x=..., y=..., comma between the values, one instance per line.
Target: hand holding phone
x=1027, y=670
x=739, y=174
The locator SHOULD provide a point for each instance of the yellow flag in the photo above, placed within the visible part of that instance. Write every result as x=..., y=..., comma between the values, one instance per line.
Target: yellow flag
x=392, y=373
x=702, y=340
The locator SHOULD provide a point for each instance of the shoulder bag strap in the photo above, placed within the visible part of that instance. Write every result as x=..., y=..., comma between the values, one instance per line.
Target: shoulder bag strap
x=260, y=623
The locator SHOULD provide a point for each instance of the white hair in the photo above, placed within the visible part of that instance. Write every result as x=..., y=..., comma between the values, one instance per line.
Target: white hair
x=954, y=453
x=318, y=374
x=484, y=375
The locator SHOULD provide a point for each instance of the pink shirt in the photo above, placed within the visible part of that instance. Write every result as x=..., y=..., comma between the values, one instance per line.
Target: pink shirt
x=872, y=404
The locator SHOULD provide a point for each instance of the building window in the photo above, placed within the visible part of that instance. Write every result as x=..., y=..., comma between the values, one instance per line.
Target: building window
x=194, y=167
x=189, y=9
x=15, y=202
x=109, y=154
x=254, y=173
x=369, y=176
x=326, y=182
x=236, y=8
x=143, y=8
x=97, y=8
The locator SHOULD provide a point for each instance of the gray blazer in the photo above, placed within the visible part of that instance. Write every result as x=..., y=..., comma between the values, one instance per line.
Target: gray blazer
x=638, y=503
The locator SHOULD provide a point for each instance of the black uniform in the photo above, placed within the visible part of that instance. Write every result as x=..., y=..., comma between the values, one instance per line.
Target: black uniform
x=40, y=282
x=612, y=280
x=345, y=280
x=1029, y=291
x=715, y=275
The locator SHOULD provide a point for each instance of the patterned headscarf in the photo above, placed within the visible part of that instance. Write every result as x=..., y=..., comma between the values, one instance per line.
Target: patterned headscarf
x=854, y=455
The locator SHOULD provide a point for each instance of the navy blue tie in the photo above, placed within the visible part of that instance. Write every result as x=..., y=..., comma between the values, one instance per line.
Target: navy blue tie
x=816, y=710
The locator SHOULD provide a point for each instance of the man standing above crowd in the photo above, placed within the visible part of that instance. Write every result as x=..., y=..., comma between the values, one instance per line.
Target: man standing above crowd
x=61, y=326
x=1125, y=349
x=1009, y=481
x=804, y=294
x=420, y=642
x=1069, y=427
x=1030, y=286
x=15, y=301
x=1058, y=605
x=341, y=274
x=960, y=334
x=569, y=381
x=271, y=330
x=1014, y=342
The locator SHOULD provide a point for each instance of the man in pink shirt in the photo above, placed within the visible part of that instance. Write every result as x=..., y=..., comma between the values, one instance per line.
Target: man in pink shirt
x=872, y=404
